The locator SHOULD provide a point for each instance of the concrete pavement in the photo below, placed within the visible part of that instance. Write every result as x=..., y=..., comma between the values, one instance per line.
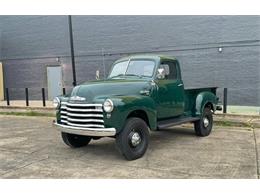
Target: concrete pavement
x=31, y=148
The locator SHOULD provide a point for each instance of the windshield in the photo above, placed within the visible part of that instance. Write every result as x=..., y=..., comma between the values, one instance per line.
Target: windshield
x=140, y=68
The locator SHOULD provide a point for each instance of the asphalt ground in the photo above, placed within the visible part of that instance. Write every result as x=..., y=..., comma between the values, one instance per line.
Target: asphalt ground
x=31, y=148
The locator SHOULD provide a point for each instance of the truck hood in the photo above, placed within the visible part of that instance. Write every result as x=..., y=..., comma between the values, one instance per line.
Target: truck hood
x=96, y=90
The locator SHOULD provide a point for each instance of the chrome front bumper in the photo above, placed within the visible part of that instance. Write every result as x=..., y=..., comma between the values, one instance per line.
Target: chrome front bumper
x=102, y=132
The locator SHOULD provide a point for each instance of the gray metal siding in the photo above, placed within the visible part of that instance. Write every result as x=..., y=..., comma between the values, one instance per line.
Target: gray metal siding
x=194, y=40
x=34, y=36
x=131, y=33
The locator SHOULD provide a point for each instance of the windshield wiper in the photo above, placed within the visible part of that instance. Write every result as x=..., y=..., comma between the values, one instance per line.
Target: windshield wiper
x=131, y=75
x=141, y=76
x=119, y=75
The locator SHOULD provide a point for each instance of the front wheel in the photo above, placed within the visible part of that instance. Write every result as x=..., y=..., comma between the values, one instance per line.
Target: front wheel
x=204, y=126
x=133, y=140
x=75, y=141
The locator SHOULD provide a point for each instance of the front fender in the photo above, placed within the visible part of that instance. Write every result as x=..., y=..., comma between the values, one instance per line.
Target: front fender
x=124, y=105
x=204, y=98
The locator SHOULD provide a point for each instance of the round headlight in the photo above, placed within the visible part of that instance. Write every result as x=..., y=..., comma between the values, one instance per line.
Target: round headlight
x=108, y=105
x=56, y=102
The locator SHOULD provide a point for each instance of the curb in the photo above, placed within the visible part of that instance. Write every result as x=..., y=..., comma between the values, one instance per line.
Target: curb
x=237, y=115
x=26, y=108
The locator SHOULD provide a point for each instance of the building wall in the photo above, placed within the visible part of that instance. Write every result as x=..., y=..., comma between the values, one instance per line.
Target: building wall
x=29, y=43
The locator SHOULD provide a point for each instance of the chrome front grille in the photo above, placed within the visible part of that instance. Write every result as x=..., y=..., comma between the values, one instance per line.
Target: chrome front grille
x=82, y=115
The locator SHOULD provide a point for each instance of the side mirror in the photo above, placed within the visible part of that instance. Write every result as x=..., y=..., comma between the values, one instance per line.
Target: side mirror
x=163, y=71
x=160, y=73
x=97, y=74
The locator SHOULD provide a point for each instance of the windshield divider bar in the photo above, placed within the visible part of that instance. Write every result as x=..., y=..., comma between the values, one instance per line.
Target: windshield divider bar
x=127, y=66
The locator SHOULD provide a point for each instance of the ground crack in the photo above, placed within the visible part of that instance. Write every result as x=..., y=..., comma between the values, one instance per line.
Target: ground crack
x=26, y=165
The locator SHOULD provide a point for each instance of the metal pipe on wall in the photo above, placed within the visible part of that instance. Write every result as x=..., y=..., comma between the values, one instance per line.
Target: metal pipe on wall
x=72, y=52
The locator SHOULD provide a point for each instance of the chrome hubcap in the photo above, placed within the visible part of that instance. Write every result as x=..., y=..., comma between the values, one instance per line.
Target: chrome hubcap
x=135, y=139
x=206, y=122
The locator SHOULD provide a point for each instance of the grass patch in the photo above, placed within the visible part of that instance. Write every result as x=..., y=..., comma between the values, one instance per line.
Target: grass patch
x=30, y=113
x=231, y=124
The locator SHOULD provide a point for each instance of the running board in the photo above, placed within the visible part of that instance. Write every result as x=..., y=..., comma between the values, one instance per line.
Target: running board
x=176, y=121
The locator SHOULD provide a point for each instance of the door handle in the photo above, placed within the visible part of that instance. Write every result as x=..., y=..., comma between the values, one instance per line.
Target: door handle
x=180, y=85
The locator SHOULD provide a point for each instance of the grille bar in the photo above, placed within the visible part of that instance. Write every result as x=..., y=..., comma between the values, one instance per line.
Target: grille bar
x=81, y=115
x=81, y=110
x=81, y=105
x=82, y=120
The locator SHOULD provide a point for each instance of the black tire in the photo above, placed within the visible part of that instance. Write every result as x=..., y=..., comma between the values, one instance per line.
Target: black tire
x=129, y=148
x=75, y=141
x=201, y=127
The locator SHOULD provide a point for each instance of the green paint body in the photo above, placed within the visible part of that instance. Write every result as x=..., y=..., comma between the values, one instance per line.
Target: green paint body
x=166, y=98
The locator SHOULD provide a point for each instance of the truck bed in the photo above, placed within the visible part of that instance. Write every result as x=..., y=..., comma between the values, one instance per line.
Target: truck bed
x=189, y=110
x=190, y=97
x=212, y=89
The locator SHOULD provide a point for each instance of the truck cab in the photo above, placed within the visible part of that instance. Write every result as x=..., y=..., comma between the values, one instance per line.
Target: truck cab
x=142, y=93
x=170, y=93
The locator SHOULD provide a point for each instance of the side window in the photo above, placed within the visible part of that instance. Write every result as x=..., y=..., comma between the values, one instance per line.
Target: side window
x=170, y=70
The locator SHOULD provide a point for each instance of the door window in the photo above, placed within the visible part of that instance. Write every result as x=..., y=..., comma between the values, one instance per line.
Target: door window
x=170, y=70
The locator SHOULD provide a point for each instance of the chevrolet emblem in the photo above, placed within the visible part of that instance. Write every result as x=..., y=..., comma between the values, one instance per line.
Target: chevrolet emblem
x=77, y=98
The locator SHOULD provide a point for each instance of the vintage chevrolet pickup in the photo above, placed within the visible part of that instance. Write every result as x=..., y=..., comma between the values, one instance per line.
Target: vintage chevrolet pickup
x=142, y=93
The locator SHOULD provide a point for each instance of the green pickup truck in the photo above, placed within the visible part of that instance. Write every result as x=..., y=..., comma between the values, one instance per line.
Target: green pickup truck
x=142, y=93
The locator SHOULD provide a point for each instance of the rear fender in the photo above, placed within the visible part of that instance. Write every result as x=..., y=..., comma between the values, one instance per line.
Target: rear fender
x=203, y=99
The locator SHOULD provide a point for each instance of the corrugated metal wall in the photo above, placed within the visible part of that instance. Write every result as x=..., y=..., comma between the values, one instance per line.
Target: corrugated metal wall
x=29, y=43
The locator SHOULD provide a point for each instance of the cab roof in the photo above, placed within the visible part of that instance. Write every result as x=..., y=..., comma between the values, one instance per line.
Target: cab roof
x=146, y=56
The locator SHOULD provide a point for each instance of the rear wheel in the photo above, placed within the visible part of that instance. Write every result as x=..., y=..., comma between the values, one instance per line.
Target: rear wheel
x=204, y=126
x=133, y=140
x=75, y=141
